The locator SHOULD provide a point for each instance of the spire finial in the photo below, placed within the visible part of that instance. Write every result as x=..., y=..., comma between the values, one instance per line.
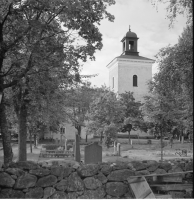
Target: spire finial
x=129, y=28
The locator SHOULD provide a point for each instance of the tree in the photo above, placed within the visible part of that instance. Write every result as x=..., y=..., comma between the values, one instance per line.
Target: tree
x=133, y=117
x=77, y=104
x=174, y=81
x=25, y=27
x=177, y=7
x=106, y=113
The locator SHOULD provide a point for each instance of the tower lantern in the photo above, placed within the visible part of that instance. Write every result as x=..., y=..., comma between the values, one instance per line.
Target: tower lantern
x=130, y=43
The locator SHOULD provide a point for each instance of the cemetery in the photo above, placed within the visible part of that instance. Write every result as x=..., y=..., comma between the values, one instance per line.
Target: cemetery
x=102, y=173
x=81, y=117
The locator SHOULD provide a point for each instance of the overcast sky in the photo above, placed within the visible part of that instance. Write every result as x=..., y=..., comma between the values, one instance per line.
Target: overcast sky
x=150, y=25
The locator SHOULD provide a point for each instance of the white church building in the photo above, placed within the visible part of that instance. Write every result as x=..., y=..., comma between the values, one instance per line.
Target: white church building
x=129, y=71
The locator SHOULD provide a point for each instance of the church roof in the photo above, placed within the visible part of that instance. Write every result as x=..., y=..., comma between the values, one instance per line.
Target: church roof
x=134, y=57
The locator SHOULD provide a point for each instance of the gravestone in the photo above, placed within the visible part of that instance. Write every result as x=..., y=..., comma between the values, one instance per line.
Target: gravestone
x=65, y=144
x=115, y=147
x=93, y=153
x=118, y=149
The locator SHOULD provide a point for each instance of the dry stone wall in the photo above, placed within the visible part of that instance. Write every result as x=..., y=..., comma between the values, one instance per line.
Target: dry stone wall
x=73, y=181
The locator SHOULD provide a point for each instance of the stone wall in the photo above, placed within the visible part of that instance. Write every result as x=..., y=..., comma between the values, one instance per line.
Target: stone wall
x=65, y=180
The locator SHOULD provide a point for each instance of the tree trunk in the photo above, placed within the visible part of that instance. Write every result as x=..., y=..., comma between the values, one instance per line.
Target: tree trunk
x=77, y=143
x=161, y=142
x=22, y=151
x=79, y=129
x=101, y=137
x=30, y=141
x=77, y=148
x=86, y=138
x=6, y=137
x=129, y=137
x=35, y=141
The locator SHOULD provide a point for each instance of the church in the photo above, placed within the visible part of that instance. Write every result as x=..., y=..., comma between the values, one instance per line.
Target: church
x=130, y=71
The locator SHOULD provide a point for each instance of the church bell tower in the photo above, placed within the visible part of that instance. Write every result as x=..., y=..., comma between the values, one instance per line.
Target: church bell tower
x=129, y=71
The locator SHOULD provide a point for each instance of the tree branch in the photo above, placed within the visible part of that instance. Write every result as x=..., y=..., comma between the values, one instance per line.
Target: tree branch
x=8, y=13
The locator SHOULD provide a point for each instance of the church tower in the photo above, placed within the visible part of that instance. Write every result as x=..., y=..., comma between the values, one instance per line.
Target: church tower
x=129, y=71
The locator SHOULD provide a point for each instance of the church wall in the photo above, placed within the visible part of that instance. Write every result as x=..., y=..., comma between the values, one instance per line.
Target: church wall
x=113, y=72
x=126, y=71
x=69, y=133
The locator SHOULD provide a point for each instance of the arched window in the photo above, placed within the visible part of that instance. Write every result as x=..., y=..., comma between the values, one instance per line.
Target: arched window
x=134, y=80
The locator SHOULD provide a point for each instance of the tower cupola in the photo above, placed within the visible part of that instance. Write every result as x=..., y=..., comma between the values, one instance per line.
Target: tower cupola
x=130, y=43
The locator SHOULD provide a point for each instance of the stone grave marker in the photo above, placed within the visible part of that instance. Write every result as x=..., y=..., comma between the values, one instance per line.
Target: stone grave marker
x=93, y=153
x=118, y=149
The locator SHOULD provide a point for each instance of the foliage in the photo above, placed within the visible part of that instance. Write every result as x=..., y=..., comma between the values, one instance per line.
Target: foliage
x=133, y=117
x=106, y=114
x=177, y=7
x=37, y=36
x=110, y=133
x=171, y=101
x=77, y=103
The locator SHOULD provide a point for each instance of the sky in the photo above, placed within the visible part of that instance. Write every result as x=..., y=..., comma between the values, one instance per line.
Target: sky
x=150, y=25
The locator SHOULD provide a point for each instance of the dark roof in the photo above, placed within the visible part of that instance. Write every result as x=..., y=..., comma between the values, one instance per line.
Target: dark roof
x=134, y=57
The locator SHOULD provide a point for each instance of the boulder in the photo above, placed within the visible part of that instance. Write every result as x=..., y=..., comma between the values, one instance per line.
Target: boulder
x=176, y=169
x=92, y=183
x=93, y=194
x=34, y=193
x=152, y=165
x=6, y=180
x=48, y=191
x=139, y=165
x=101, y=177
x=57, y=171
x=72, y=195
x=120, y=165
x=59, y=195
x=16, y=194
x=5, y=193
x=14, y=177
x=88, y=170
x=40, y=172
x=46, y=181
x=25, y=181
x=189, y=166
x=75, y=183
x=142, y=172
x=166, y=166
x=62, y=185
x=116, y=189
x=67, y=171
x=120, y=175
x=25, y=165
x=15, y=171
x=106, y=169
x=159, y=171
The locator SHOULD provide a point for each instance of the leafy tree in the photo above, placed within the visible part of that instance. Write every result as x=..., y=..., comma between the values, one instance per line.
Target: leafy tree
x=174, y=82
x=177, y=7
x=77, y=104
x=106, y=113
x=25, y=28
x=133, y=118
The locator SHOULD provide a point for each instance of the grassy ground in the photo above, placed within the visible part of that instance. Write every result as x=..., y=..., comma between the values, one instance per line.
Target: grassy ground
x=140, y=150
